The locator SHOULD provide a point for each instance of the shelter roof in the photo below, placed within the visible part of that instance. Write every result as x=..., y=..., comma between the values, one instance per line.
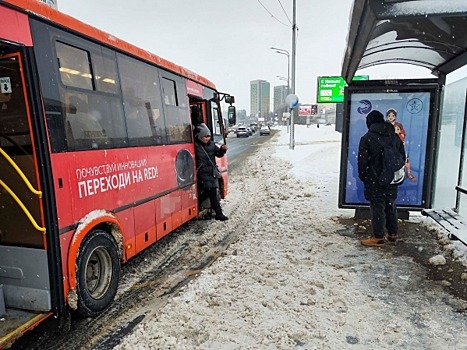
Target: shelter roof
x=426, y=33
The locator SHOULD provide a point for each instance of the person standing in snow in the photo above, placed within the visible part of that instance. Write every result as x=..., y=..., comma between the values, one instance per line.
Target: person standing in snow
x=206, y=152
x=382, y=199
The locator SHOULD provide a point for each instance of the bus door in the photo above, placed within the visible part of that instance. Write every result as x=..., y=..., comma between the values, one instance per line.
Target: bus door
x=219, y=137
x=24, y=277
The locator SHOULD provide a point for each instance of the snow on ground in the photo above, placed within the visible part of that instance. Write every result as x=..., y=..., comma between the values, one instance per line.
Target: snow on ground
x=291, y=281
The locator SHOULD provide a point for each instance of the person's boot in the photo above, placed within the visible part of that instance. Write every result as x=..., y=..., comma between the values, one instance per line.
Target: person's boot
x=221, y=217
x=391, y=238
x=373, y=242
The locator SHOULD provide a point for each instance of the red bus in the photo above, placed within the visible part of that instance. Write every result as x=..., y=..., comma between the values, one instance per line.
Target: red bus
x=97, y=160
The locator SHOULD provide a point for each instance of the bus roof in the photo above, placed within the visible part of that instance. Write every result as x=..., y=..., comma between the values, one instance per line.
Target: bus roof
x=41, y=10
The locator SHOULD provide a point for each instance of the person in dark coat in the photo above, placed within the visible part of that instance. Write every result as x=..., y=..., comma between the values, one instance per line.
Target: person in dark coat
x=382, y=198
x=206, y=152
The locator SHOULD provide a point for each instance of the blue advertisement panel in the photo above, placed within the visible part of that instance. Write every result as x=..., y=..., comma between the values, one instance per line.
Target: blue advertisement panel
x=409, y=112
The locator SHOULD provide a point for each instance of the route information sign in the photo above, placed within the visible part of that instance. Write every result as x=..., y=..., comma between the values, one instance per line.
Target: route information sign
x=331, y=89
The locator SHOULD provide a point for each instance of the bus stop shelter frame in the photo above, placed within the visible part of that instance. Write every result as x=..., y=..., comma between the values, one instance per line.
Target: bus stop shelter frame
x=425, y=33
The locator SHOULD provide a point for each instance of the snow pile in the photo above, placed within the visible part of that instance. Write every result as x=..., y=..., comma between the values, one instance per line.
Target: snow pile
x=291, y=281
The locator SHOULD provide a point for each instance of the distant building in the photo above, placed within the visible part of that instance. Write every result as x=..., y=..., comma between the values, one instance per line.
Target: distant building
x=241, y=117
x=280, y=93
x=260, y=97
x=51, y=3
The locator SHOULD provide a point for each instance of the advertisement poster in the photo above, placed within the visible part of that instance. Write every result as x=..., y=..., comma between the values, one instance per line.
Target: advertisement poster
x=409, y=112
x=304, y=110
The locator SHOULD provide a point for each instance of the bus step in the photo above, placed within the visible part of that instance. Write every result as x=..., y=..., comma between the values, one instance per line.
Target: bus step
x=2, y=302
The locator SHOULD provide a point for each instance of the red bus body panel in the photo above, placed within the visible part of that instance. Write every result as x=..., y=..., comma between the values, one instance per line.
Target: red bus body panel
x=194, y=89
x=17, y=29
x=115, y=181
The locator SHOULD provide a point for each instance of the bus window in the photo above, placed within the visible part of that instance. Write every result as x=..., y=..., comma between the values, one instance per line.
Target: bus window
x=142, y=103
x=217, y=129
x=83, y=126
x=105, y=70
x=92, y=119
x=169, y=90
x=177, y=116
x=74, y=66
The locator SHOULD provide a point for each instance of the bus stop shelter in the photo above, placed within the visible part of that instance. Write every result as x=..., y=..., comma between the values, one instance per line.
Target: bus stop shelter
x=429, y=34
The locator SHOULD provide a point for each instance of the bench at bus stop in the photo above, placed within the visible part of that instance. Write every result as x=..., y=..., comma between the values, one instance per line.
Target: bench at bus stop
x=450, y=220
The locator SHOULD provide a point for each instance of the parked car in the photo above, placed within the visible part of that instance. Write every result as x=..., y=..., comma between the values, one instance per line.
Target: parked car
x=264, y=130
x=242, y=131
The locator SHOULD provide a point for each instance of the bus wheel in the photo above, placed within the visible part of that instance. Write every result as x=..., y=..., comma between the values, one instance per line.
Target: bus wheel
x=98, y=273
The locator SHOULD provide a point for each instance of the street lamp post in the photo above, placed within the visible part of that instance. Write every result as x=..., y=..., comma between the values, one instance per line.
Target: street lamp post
x=294, y=110
x=286, y=53
x=284, y=107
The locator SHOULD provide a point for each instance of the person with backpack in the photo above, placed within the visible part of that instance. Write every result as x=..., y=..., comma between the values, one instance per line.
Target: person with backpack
x=380, y=154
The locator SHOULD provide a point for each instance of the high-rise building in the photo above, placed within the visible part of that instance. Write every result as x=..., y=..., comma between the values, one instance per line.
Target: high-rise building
x=260, y=97
x=280, y=93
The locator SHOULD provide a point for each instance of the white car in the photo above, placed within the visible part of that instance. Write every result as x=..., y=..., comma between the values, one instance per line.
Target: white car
x=242, y=131
x=264, y=130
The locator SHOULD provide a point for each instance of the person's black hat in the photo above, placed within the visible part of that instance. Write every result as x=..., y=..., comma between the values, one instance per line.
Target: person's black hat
x=374, y=117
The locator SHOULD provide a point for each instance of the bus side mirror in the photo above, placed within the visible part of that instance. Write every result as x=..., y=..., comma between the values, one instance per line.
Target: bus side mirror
x=232, y=115
x=229, y=99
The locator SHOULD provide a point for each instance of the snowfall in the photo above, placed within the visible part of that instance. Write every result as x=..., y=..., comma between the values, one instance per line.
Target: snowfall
x=292, y=281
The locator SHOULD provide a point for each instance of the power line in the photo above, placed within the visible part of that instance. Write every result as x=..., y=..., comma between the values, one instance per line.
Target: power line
x=285, y=12
x=285, y=24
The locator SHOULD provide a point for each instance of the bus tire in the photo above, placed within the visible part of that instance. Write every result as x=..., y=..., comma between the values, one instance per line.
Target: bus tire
x=98, y=273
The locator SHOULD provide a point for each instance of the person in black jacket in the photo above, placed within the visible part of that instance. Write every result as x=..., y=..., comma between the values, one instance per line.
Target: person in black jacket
x=206, y=152
x=382, y=198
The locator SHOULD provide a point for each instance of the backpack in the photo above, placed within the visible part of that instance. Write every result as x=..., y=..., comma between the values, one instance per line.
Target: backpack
x=393, y=164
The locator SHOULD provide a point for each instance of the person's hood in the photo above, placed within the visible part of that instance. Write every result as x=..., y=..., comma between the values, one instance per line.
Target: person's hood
x=382, y=128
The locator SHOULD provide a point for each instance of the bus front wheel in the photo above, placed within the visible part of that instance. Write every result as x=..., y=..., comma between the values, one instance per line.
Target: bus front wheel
x=98, y=273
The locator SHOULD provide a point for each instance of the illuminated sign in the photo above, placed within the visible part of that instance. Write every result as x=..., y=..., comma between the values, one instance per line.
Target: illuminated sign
x=331, y=89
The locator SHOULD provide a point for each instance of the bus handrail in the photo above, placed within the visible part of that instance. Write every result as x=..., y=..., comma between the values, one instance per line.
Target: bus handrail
x=20, y=173
x=23, y=207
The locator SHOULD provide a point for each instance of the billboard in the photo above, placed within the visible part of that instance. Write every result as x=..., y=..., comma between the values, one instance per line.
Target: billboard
x=307, y=110
x=331, y=89
x=411, y=111
x=304, y=110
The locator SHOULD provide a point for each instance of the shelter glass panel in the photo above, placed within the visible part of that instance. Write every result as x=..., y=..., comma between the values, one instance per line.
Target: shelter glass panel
x=450, y=143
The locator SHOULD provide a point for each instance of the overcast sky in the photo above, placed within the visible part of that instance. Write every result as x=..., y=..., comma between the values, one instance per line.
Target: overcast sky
x=228, y=42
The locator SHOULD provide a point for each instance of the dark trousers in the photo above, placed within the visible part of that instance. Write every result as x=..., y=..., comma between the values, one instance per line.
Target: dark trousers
x=211, y=193
x=383, y=214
